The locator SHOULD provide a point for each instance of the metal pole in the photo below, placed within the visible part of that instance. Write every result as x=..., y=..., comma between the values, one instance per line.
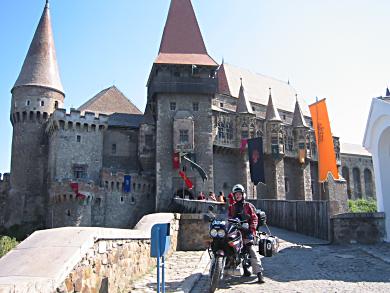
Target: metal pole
x=163, y=274
x=158, y=260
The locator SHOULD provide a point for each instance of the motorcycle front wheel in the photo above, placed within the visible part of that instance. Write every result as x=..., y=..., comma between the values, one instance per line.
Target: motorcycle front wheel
x=215, y=273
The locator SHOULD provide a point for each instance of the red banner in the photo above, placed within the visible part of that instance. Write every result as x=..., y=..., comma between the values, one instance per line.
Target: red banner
x=187, y=181
x=176, y=161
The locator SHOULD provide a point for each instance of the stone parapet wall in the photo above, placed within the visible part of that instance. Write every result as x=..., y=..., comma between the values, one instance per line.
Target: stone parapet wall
x=111, y=265
x=194, y=232
x=83, y=259
x=365, y=228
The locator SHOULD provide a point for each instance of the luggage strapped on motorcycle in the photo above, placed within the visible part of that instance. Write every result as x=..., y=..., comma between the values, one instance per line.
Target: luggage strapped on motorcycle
x=268, y=244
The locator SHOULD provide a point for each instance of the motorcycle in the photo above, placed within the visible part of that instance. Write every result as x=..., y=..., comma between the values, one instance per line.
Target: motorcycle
x=226, y=249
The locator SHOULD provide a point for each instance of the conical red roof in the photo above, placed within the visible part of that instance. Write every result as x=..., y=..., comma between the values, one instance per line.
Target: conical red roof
x=40, y=66
x=182, y=41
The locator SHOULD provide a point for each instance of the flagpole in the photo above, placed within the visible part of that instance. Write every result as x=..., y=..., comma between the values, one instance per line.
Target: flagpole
x=318, y=151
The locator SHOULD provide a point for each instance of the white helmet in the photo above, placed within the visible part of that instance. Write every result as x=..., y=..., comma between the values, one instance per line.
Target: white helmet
x=238, y=188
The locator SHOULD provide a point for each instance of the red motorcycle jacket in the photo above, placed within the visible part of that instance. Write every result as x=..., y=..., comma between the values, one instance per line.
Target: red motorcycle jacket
x=249, y=210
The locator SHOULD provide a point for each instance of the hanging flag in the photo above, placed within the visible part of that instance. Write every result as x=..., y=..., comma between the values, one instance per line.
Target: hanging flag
x=187, y=181
x=75, y=187
x=194, y=165
x=324, y=139
x=176, y=161
x=244, y=142
x=127, y=183
x=256, y=159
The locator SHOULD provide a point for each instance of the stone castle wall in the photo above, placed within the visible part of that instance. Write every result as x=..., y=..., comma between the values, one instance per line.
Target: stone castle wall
x=203, y=148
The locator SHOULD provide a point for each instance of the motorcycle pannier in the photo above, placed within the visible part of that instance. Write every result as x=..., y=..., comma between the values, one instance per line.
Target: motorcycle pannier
x=268, y=245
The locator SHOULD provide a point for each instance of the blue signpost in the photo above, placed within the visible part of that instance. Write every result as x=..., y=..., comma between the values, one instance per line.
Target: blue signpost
x=160, y=240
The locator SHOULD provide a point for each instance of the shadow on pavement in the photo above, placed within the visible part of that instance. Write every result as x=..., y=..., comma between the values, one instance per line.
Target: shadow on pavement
x=330, y=262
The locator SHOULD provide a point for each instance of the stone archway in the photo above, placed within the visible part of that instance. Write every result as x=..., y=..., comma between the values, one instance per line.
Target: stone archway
x=377, y=141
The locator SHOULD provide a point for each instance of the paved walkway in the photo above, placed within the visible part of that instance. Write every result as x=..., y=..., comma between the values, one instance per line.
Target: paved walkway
x=304, y=264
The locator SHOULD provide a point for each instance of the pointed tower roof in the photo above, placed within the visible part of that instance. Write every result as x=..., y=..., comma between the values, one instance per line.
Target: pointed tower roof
x=298, y=119
x=109, y=101
x=272, y=113
x=223, y=85
x=182, y=41
x=40, y=66
x=387, y=92
x=243, y=104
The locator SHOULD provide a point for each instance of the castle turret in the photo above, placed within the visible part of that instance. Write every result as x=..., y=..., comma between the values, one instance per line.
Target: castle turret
x=303, y=188
x=36, y=94
x=181, y=87
x=274, y=172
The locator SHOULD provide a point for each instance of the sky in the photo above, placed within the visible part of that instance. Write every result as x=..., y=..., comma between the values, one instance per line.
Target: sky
x=334, y=49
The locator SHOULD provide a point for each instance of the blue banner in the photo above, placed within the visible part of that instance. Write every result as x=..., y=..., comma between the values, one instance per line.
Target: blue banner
x=127, y=185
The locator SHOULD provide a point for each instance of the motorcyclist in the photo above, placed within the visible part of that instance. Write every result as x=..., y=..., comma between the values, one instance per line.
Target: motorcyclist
x=246, y=211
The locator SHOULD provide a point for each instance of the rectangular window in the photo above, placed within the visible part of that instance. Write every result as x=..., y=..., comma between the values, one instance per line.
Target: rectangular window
x=149, y=140
x=79, y=171
x=78, y=138
x=183, y=136
x=113, y=148
x=244, y=134
x=221, y=105
x=172, y=106
x=195, y=106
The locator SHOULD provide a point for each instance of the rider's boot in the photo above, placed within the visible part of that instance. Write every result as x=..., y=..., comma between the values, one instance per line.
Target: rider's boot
x=260, y=278
x=247, y=272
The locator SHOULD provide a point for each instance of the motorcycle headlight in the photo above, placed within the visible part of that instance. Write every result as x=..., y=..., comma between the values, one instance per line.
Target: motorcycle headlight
x=221, y=233
x=213, y=233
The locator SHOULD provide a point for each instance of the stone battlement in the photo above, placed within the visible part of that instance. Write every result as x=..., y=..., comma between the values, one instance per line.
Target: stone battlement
x=5, y=177
x=74, y=120
x=62, y=191
x=114, y=181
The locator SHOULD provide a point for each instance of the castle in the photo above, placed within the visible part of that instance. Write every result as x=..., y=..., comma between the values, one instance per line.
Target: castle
x=107, y=163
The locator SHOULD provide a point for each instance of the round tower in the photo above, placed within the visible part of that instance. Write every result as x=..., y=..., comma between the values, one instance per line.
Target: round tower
x=36, y=94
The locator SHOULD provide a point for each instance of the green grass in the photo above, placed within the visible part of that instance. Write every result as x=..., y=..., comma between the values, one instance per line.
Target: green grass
x=362, y=206
x=7, y=244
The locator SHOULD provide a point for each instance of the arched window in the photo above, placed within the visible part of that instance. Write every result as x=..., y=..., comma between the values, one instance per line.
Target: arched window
x=56, y=105
x=345, y=174
x=368, y=183
x=357, y=186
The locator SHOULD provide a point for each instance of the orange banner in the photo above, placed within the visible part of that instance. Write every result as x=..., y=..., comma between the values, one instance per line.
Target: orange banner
x=324, y=139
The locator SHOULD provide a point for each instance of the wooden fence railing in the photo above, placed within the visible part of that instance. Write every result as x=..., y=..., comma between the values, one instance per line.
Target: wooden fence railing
x=307, y=217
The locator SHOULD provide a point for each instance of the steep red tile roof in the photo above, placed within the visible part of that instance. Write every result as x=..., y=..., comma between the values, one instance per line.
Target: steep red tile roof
x=109, y=101
x=182, y=41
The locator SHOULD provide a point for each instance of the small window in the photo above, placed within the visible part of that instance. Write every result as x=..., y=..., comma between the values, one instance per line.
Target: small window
x=286, y=185
x=122, y=199
x=68, y=213
x=244, y=134
x=183, y=136
x=78, y=138
x=149, y=140
x=56, y=105
x=195, y=106
x=173, y=106
x=79, y=171
x=221, y=105
x=113, y=148
x=253, y=109
x=42, y=103
x=28, y=103
x=284, y=117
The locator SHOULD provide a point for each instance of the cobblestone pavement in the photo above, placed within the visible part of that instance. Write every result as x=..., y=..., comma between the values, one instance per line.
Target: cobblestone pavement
x=315, y=268
x=182, y=270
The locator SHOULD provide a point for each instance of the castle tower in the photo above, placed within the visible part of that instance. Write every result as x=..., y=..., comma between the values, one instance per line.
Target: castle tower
x=181, y=87
x=246, y=121
x=274, y=163
x=36, y=94
x=302, y=186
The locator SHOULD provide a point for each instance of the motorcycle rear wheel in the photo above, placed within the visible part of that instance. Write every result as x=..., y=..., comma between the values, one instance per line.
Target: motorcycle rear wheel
x=215, y=273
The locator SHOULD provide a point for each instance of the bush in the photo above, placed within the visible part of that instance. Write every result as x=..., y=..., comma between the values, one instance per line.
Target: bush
x=362, y=206
x=7, y=244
